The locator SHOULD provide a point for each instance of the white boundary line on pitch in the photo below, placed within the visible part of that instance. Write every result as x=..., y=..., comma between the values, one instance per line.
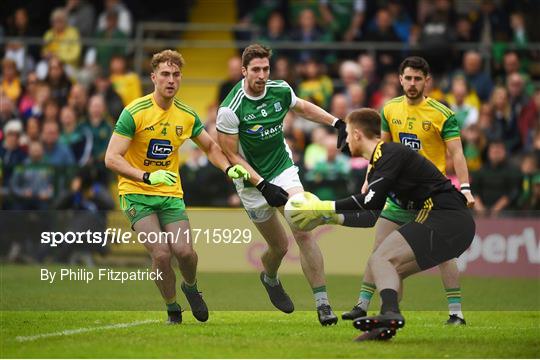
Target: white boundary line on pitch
x=84, y=330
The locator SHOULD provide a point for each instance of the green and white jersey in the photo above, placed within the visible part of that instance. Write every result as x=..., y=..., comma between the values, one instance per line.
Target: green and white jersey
x=258, y=121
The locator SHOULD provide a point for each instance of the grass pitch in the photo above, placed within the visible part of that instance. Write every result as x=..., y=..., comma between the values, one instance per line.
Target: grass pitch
x=35, y=323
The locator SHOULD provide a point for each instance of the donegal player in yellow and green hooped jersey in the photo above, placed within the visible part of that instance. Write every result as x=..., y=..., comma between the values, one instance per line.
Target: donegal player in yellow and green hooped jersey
x=430, y=128
x=143, y=151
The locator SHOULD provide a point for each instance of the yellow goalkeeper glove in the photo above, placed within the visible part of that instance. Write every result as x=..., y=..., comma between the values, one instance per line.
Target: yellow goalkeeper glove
x=237, y=171
x=311, y=208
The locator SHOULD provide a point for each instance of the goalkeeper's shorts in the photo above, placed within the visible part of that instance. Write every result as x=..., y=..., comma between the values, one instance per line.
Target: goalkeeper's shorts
x=169, y=209
x=254, y=202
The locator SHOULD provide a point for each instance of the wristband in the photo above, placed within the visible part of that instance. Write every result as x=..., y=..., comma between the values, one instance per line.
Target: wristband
x=228, y=168
x=335, y=121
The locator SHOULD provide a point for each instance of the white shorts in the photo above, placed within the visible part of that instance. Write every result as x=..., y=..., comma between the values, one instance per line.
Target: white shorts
x=254, y=202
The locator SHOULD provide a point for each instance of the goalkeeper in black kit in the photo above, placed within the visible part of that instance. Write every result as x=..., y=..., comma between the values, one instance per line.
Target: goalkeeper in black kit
x=443, y=227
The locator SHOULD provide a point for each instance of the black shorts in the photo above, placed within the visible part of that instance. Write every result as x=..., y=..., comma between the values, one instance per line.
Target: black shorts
x=443, y=230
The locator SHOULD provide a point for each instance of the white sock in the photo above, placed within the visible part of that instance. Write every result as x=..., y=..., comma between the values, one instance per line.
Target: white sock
x=455, y=309
x=363, y=303
x=321, y=298
x=271, y=281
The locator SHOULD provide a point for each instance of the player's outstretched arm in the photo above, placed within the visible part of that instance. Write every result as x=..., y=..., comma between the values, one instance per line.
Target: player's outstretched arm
x=314, y=113
x=455, y=149
x=115, y=161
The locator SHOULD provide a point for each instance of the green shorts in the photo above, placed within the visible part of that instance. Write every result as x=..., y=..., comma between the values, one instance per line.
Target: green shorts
x=168, y=208
x=396, y=214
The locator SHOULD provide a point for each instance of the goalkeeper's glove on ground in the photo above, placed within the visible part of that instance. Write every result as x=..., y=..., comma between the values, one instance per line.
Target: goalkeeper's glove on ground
x=275, y=196
x=237, y=172
x=160, y=177
x=307, y=211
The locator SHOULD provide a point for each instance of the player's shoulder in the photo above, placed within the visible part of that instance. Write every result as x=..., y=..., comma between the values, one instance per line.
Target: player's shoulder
x=182, y=107
x=393, y=103
x=277, y=83
x=439, y=107
x=140, y=104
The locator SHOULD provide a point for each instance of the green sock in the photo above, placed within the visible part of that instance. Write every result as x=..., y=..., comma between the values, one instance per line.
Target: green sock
x=321, y=296
x=192, y=288
x=366, y=293
x=173, y=307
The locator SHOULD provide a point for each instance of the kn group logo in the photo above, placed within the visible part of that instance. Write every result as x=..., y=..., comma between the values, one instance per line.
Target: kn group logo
x=255, y=129
x=411, y=141
x=159, y=149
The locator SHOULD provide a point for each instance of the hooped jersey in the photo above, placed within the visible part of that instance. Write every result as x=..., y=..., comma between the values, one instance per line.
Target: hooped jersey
x=258, y=121
x=424, y=127
x=156, y=135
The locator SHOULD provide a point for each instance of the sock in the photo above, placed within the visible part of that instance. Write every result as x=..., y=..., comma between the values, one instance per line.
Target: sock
x=389, y=298
x=192, y=288
x=321, y=296
x=454, y=301
x=366, y=293
x=271, y=281
x=172, y=305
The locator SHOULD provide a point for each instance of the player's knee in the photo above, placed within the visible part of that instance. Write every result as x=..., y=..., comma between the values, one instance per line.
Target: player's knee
x=184, y=253
x=302, y=237
x=162, y=259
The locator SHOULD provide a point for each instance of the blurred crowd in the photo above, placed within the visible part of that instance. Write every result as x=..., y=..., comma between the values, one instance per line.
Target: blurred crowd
x=60, y=99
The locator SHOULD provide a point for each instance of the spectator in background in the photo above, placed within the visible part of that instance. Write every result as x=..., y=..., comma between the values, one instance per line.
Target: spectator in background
x=32, y=182
x=125, y=22
x=101, y=131
x=11, y=83
x=56, y=154
x=33, y=131
x=7, y=111
x=62, y=41
x=275, y=31
x=126, y=83
x=503, y=119
x=307, y=32
x=436, y=36
x=344, y=18
x=496, y=184
x=58, y=81
x=401, y=20
x=528, y=200
x=349, y=73
x=475, y=76
x=464, y=104
x=529, y=121
x=42, y=95
x=102, y=86
x=21, y=27
x=328, y=176
x=106, y=50
x=315, y=87
x=316, y=151
x=234, y=75
x=356, y=97
x=491, y=23
x=11, y=153
x=77, y=99
x=28, y=97
x=369, y=80
x=16, y=51
x=515, y=85
x=474, y=147
x=339, y=106
x=78, y=139
x=383, y=32
x=283, y=70
x=51, y=112
x=81, y=15
x=512, y=65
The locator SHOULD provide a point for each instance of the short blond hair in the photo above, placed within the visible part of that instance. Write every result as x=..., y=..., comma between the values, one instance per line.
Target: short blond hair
x=167, y=56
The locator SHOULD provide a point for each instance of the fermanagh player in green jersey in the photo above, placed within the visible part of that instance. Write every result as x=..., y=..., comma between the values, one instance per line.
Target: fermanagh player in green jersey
x=250, y=125
x=144, y=152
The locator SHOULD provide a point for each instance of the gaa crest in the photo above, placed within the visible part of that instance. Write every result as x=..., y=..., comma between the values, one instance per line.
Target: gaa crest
x=179, y=130
x=426, y=125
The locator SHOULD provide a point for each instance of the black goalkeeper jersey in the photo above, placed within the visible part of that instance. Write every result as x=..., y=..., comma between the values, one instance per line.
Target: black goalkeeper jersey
x=412, y=177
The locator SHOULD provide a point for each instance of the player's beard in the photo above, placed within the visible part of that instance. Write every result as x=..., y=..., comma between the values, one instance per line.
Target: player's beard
x=418, y=95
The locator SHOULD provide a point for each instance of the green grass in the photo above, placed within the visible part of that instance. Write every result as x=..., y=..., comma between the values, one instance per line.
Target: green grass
x=247, y=327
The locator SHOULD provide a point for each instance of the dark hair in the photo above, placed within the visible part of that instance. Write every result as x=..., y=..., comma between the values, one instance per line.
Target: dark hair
x=416, y=63
x=367, y=120
x=254, y=51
